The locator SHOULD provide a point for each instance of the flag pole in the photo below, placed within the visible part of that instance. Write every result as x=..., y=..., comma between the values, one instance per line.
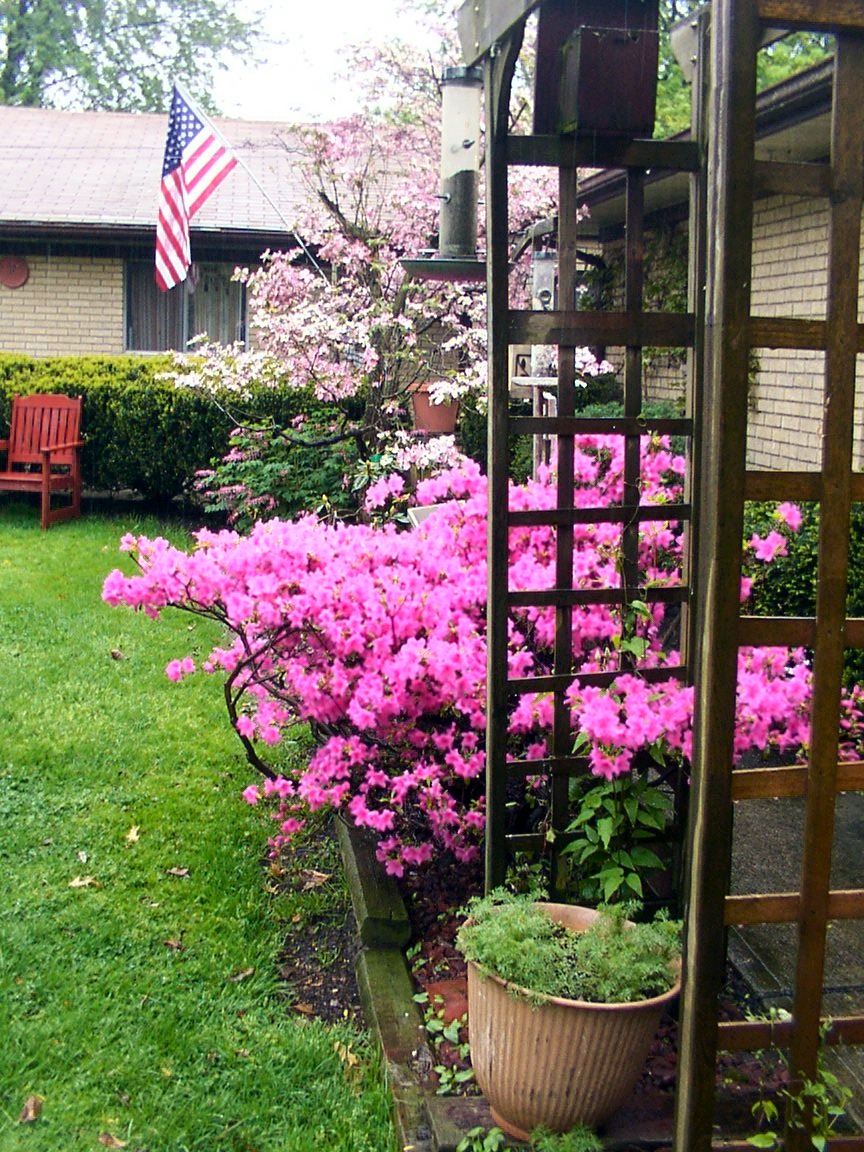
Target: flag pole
x=242, y=163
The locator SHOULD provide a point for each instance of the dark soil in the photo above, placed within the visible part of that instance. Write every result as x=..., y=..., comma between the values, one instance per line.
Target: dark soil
x=743, y=1078
x=316, y=963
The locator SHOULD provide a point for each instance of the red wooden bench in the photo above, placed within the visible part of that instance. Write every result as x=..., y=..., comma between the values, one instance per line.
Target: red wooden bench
x=43, y=452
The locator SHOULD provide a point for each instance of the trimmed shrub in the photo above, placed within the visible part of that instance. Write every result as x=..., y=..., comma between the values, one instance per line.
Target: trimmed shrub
x=143, y=433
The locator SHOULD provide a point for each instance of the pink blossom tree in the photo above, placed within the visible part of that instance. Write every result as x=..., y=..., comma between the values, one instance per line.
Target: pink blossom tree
x=336, y=314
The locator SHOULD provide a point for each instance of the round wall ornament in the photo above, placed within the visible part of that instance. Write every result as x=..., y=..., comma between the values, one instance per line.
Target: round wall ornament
x=14, y=271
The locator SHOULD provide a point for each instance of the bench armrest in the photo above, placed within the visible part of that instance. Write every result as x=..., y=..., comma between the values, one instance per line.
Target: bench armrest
x=46, y=451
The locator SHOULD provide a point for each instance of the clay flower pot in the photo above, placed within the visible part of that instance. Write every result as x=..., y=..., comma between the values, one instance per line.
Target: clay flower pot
x=438, y=419
x=556, y=1062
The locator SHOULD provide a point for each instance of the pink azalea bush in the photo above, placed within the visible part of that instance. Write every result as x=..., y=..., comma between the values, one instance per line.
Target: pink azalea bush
x=377, y=639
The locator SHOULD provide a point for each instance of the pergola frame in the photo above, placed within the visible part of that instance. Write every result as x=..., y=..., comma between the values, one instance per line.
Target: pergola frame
x=721, y=333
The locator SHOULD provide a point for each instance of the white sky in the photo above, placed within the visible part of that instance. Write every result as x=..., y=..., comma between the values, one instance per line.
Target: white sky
x=302, y=53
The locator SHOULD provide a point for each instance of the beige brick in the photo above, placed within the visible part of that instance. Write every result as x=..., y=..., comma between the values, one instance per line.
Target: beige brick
x=67, y=307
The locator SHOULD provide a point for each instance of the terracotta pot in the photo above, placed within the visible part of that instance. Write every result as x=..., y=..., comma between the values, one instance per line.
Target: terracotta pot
x=439, y=419
x=562, y=1062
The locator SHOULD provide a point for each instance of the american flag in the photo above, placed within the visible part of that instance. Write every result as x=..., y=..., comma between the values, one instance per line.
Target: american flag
x=196, y=162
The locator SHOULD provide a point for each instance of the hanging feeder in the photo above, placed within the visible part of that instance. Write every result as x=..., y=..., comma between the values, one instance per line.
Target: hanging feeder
x=596, y=72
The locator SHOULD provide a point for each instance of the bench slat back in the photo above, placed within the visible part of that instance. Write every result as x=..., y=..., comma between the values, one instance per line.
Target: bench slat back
x=41, y=421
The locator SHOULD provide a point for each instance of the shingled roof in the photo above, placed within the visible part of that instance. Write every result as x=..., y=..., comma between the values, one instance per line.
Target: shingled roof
x=99, y=172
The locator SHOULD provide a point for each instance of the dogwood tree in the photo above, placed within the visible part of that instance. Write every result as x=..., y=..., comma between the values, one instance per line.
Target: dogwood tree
x=337, y=312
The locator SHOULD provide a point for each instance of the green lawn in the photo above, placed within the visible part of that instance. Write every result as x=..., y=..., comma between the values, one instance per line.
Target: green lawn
x=134, y=901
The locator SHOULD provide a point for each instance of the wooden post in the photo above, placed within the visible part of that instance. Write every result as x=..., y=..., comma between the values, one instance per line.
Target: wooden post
x=499, y=68
x=844, y=240
x=734, y=40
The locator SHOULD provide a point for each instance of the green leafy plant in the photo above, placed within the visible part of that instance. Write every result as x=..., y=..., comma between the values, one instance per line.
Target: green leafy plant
x=816, y=1106
x=481, y=1139
x=613, y=961
x=452, y=1079
x=269, y=471
x=578, y=1139
x=615, y=822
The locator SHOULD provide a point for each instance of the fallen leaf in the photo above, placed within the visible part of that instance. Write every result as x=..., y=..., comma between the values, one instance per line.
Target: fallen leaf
x=345, y=1054
x=116, y=654
x=84, y=882
x=133, y=834
x=176, y=945
x=304, y=1009
x=315, y=879
x=32, y=1109
x=177, y=871
x=241, y=974
x=111, y=1141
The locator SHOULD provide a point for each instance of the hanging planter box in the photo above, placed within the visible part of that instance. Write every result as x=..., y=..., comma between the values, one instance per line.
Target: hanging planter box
x=596, y=68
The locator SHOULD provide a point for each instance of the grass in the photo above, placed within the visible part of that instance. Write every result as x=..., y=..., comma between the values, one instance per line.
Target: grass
x=139, y=1004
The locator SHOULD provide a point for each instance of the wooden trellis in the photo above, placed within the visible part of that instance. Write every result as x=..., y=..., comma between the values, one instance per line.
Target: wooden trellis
x=721, y=334
x=633, y=329
x=720, y=630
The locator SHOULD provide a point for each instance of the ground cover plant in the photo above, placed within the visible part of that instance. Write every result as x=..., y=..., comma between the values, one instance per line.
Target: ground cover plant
x=140, y=930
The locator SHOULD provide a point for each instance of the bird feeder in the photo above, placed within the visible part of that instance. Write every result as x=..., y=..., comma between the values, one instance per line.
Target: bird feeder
x=461, y=93
x=596, y=71
x=456, y=258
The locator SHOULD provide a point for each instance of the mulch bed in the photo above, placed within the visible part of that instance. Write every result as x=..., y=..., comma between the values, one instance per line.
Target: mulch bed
x=432, y=898
x=317, y=966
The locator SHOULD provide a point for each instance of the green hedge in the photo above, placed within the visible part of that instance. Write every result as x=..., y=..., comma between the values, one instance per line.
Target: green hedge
x=142, y=433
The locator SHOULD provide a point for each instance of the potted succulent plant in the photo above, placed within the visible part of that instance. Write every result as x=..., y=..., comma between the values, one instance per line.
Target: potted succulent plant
x=563, y=1004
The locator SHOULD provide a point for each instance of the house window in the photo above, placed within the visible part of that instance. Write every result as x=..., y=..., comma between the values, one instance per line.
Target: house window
x=207, y=302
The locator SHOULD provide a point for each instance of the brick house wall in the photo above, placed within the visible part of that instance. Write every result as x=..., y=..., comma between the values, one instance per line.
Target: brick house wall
x=790, y=278
x=70, y=306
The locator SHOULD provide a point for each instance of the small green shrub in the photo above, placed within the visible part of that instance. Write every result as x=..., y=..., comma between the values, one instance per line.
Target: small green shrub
x=578, y=1139
x=145, y=433
x=612, y=962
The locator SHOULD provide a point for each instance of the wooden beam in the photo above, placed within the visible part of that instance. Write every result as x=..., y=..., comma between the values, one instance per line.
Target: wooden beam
x=783, y=486
x=762, y=908
x=604, y=426
x=794, y=486
x=777, y=631
x=576, y=329
x=482, y=23
x=785, y=907
x=617, y=514
x=548, y=597
x=814, y=15
x=524, y=684
x=773, y=783
x=571, y=152
x=792, y=179
x=786, y=332
x=751, y=1035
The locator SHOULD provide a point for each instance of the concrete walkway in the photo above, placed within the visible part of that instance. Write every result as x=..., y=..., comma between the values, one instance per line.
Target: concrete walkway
x=767, y=858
